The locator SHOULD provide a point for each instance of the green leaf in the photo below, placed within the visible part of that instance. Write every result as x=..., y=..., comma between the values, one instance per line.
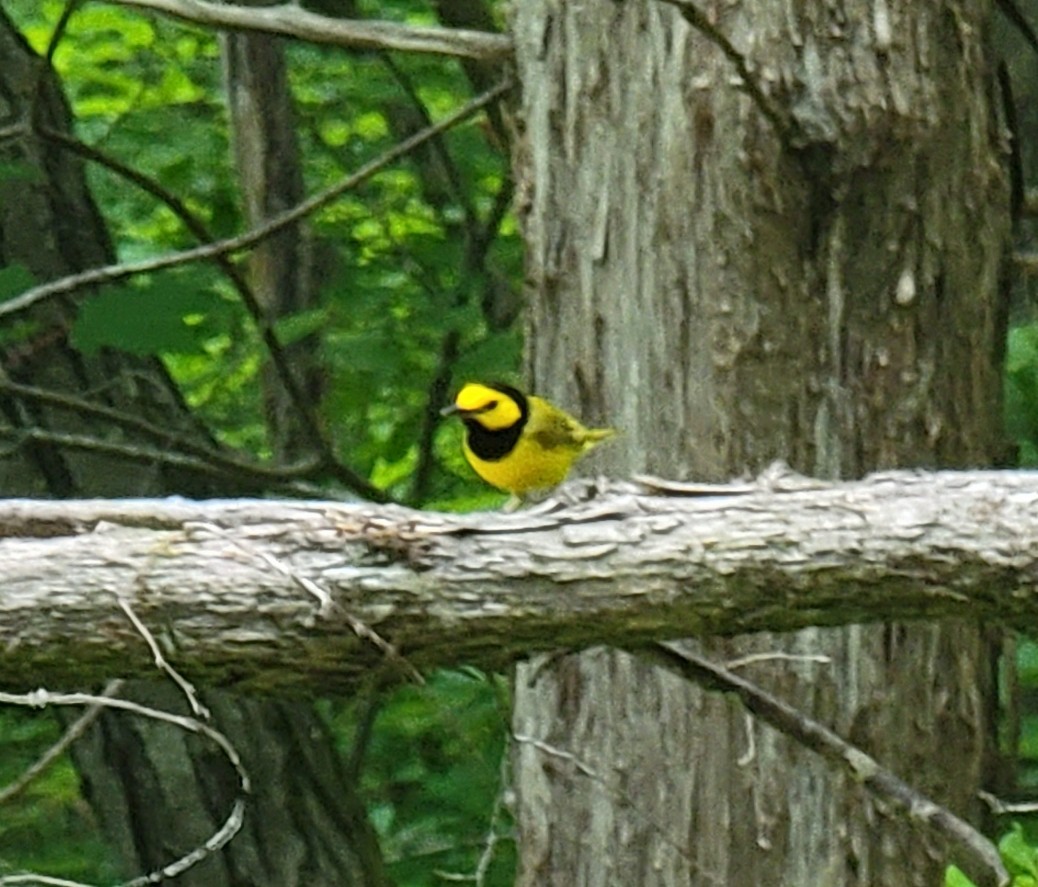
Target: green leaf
x=954, y=877
x=1021, y=389
x=294, y=327
x=1018, y=855
x=19, y=171
x=14, y=280
x=164, y=315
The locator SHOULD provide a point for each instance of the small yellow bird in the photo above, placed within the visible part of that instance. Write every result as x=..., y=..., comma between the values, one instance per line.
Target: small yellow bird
x=518, y=442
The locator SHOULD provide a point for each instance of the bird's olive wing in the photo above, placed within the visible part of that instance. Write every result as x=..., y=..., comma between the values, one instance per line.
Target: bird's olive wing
x=557, y=432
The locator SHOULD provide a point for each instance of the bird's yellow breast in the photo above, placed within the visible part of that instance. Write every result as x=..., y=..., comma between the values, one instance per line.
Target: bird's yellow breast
x=529, y=466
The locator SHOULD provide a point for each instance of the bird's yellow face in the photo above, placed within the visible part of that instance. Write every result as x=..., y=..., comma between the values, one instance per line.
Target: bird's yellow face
x=489, y=407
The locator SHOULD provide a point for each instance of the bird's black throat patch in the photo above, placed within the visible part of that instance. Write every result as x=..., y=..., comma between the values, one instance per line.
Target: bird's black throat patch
x=492, y=445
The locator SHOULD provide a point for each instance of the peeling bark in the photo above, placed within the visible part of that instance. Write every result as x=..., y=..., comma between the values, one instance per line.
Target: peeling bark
x=224, y=585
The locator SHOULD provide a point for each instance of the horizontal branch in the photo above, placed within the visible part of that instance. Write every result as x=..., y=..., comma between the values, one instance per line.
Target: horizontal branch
x=292, y=20
x=315, y=594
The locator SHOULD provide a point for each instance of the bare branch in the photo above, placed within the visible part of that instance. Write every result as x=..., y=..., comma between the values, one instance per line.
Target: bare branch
x=184, y=685
x=819, y=738
x=111, y=273
x=166, y=437
x=292, y=20
x=288, y=480
x=621, y=568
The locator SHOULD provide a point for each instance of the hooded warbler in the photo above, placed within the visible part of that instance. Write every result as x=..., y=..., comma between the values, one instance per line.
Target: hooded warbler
x=518, y=442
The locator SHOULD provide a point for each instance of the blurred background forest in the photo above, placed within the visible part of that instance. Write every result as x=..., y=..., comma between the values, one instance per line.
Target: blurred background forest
x=413, y=285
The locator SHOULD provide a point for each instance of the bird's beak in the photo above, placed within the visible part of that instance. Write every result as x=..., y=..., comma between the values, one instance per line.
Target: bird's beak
x=455, y=410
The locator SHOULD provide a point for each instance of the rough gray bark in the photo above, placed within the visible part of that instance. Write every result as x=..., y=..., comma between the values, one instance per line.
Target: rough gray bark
x=224, y=585
x=811, y=273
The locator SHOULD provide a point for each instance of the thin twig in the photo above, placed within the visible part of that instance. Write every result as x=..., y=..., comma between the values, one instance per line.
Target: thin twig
x=778, y=655
x=186, y=687
x=219, y=839
x=610, y=786
x=1008, y=808
x=231, y=825
x=369, y=702
x=819, y=738
x=164, y=436
x=46, y=880
x=59, y=30
x=76, y=729
x=435, y=400
x=14, y=131
x=283, y=478
x=438, y=144
x=493, y=835
x=502, y=203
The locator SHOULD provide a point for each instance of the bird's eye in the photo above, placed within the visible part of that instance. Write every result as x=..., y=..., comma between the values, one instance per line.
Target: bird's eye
x=492, y=405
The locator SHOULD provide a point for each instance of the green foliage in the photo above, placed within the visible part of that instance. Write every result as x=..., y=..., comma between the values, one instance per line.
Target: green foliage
x=1019, y=855
x=955, y=877
x=396, y=266
x=402, y=293
x=14, y=279
x=46, y=827
x=1021, y=400
x=432, y=769
x=170, y=314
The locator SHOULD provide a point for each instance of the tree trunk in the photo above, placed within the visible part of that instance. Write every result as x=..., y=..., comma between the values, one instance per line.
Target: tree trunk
x=156, y=793
x=263, y=127
x=807, y=269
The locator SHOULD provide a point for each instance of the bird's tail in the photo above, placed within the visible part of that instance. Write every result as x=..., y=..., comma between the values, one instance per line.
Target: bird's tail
x=593, y=436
